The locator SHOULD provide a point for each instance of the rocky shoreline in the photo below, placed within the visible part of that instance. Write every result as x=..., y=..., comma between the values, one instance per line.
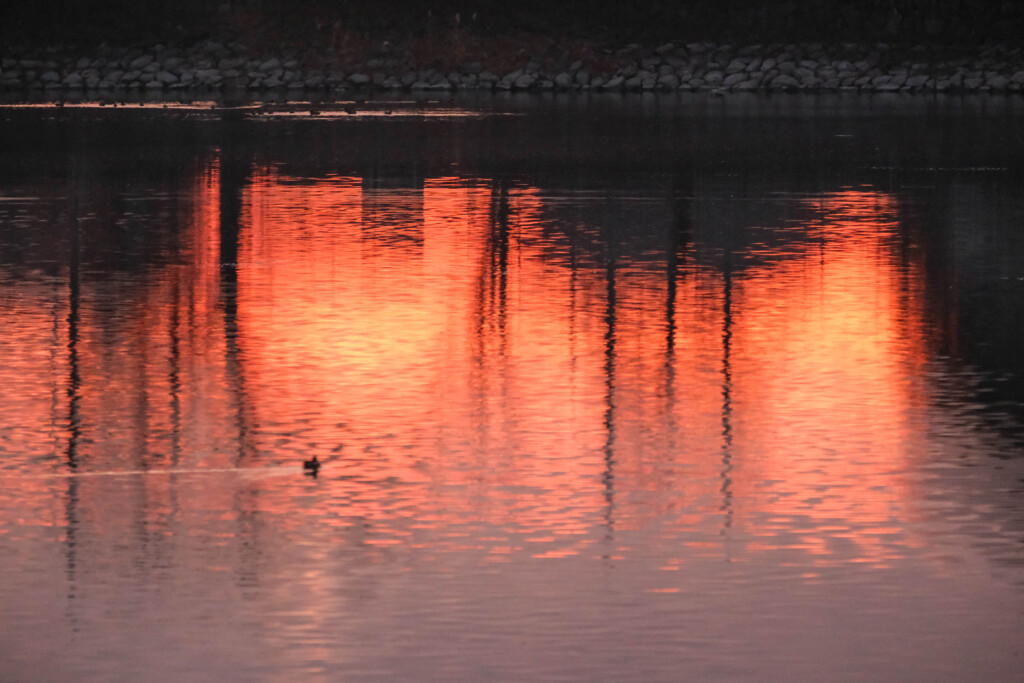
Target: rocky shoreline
x=214, y=67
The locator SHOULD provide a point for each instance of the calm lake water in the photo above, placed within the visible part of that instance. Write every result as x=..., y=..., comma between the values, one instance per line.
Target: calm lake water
x=605, y=389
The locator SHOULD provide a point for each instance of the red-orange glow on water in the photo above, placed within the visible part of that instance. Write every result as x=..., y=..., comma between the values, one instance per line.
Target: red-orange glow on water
x=425, y=343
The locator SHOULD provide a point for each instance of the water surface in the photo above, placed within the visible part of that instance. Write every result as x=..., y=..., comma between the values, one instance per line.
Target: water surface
x=619, y=388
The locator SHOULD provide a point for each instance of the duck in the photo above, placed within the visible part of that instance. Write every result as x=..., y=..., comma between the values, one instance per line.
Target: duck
x=311, y=466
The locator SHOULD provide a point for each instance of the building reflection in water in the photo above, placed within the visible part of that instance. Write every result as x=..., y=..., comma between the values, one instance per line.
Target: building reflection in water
x=476, y=353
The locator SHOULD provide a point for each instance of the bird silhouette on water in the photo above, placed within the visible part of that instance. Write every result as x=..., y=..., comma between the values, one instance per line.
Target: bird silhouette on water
x=311, y=467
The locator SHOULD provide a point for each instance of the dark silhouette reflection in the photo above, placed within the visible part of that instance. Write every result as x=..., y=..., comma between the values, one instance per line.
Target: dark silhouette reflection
x=71, y=497
x=233, y=174
x=174, y=373
x=610, y=315
x=73, y=319
x=726, y=488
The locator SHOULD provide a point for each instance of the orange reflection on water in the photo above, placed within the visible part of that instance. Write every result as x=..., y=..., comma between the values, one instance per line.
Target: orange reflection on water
x=827, y=360
x=462, y=375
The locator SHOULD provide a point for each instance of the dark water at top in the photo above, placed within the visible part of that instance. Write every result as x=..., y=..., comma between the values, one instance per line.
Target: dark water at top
x=619, y=389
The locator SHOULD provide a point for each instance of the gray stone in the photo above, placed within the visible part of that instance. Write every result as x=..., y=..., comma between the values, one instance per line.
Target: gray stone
x=972, y=83
x=668, y=81
x=50, y=77
x=749, y=84
x=582, y=77
x=997, y=81
x=73, y=80
x=784, y=81
x=272, y=82
x=916, y=81
x=803, y=74
x=166, y=77
x=754, y=64
x=713, y=77
x=1018, y=77
x=154, y=85
x=140, y=62
x=736, y=66
x=488, y=77
x=634, y=82
x=523, y=81
x=613, y=83
x=297, y=85
x=270, y=64
x=735, y=79
x=563, y=80
x=358, y=78
x=768, y=64
x=83, y=63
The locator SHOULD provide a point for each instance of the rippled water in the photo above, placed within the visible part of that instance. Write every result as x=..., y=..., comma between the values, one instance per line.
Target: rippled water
x=620, y=389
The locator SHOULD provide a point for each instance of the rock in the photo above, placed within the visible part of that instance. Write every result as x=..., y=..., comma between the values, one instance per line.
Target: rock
x=50, y=77
x=784, y=81
x=523, y=82
x=668, y=82
x=563, y=80
x=297, y=85
x=270, y=65
x=166, y=77
x=735, y=79
x=916, y=81
x=633, y=82
x=997, y=81
x=714, y=77
x=358, y=78
x=613, y=83
x=140, y=63
x=582, y=77
x=735, y=66
x=972, y=83
x=803, y=74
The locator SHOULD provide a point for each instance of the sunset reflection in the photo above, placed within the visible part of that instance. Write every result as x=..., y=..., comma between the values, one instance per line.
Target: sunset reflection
x=457, y=355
